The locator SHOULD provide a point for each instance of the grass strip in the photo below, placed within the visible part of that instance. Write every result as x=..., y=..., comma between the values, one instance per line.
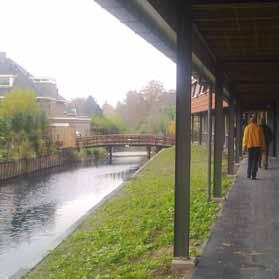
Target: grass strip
x=131, y=235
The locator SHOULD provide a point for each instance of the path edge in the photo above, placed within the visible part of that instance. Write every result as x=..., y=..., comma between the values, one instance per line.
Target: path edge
x=212, y=227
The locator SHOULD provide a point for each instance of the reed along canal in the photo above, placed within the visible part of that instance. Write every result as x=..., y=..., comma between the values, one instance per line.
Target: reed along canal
x=36, y=211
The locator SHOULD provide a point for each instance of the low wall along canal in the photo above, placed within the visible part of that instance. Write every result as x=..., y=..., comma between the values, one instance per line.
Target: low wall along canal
x=36, y=211
x=10, y=169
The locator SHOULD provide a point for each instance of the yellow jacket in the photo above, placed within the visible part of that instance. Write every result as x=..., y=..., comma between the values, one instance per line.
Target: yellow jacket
x=253, y=136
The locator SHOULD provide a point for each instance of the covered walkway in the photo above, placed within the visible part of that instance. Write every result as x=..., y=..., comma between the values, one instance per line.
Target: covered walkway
x=245, y=240
x=232, y=48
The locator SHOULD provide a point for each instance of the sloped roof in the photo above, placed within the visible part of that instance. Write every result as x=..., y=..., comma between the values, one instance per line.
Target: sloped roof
x=48, y=90
x=23, y=79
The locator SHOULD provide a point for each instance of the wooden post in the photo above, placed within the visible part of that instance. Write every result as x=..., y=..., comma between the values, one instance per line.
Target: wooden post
x=200, y=128
x=238, y=132
x=110, y=154
x=270, y=124
x=209, y=141
x=231, y=138
x=192, y=127
x=219, y=134
x=274, y=128
x=148, y=150
x=183, y=130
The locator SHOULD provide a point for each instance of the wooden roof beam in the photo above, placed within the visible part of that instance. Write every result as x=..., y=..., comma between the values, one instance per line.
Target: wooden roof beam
x=252, y=61
x=256, y=83
x=232, y=2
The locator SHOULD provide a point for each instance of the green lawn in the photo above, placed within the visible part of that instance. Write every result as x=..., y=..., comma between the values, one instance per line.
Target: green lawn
x=131, y=235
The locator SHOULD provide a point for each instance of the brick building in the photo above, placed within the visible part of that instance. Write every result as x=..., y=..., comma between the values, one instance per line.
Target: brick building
x=199, y=108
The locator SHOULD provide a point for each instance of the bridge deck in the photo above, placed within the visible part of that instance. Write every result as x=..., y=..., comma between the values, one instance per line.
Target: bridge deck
x=123, y=140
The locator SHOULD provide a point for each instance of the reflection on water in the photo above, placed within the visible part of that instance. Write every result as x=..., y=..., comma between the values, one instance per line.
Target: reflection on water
x=34, y=211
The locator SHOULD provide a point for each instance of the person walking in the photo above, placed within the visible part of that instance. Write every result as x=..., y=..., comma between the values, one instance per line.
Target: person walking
x=253, y=142
x=267, y=135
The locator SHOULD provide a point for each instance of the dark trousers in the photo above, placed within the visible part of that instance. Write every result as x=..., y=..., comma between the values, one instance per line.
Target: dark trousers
x=264, y=157
x=254, y=154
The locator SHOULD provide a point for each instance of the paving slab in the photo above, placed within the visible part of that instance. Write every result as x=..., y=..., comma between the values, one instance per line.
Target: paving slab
x=245, y=240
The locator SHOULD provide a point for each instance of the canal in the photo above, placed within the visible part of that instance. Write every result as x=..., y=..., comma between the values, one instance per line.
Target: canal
x=37, y=211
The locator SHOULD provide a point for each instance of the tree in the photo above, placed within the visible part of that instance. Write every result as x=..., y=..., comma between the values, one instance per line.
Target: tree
x=107, y=125
x=149, y=110
x=108, y=109
x=4, y=138
x=117, y=122
x=171, y=128
x=133, y=110
x=85, y=107
x=18, y=101
x=152, y=93
x=3, y=130
x=156, y=124
x=23, y=125
x=90, y=107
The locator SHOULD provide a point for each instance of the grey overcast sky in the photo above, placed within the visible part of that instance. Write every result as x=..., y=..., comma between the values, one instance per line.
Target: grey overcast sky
x=88, y=51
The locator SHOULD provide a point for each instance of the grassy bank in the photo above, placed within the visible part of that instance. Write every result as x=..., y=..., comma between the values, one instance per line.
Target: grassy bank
x=131, y=235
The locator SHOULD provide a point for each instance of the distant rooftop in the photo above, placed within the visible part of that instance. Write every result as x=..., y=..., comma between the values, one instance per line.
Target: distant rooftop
x=13, y=75
x=43, y=80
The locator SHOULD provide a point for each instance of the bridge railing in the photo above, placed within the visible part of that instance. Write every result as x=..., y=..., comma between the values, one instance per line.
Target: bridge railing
x=126, y=139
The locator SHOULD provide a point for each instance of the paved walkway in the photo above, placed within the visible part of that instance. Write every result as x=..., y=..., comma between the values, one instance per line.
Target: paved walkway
x=245, y=240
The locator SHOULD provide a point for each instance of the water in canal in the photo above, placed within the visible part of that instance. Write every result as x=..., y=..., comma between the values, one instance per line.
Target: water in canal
x=35, y=211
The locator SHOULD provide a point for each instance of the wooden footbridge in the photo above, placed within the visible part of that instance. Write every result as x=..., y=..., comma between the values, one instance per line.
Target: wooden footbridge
x=123, y=140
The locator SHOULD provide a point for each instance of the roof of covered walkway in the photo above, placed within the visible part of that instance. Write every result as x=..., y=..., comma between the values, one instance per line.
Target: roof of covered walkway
x=240, y=35
x=231, y=46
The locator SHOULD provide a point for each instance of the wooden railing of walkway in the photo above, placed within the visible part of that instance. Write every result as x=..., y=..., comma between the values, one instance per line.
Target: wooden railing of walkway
x=124, y=139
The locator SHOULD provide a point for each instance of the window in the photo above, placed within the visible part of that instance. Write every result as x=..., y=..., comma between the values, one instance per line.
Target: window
x=4, y=81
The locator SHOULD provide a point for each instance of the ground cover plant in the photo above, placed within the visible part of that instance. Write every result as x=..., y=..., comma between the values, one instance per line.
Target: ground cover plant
x=131, y=235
